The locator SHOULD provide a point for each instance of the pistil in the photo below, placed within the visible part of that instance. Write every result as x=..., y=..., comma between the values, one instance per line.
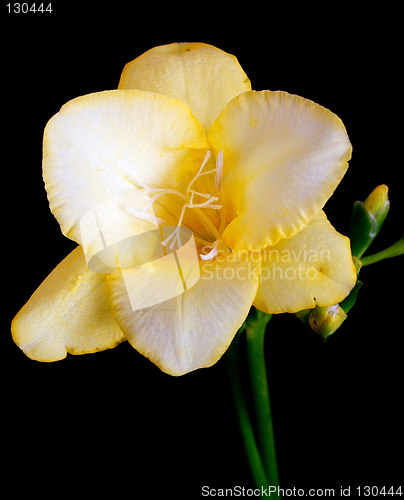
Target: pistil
x=197, y=208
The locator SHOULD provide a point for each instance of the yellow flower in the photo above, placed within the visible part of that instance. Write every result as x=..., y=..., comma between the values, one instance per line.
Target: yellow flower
x=247, y=172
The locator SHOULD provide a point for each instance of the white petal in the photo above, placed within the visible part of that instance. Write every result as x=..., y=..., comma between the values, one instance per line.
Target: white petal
x=99, y=145
x=193, y=329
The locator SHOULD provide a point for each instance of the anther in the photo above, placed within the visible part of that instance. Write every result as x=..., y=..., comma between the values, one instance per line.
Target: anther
x=212, y=253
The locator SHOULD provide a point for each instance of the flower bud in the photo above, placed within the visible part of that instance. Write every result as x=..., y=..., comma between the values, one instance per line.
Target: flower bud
x=367, y=220
x=326, y=320
x=378, y=204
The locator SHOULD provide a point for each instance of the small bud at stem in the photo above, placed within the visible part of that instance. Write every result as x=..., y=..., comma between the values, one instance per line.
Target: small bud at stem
x=326, y=320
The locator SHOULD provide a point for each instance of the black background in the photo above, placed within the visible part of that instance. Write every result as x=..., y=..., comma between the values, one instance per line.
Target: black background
x=111, y=422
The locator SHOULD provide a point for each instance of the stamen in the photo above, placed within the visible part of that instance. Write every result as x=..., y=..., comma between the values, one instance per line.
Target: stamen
x=205, y=204
x=188, y=197
x=142, y=214
x=207, y=156
x=219, y=171
x=161, y=193
x=203, y=195
x=208, y=172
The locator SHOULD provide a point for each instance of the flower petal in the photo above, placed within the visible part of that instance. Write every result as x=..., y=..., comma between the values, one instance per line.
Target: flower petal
x=194, y=329
x=99, y=143
x=201, y=75
x=69, y=312
x=314, y=267
x=283, y=158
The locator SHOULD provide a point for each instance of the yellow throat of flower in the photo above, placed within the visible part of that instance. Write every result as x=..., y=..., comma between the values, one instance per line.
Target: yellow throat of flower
x=192, y=209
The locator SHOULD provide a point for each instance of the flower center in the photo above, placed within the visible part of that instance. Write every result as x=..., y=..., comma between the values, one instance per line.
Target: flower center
x=194, y=200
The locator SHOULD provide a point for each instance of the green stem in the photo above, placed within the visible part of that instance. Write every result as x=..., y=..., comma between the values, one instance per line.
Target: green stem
x=392, y=251
x=255, y=333
x=253, y=455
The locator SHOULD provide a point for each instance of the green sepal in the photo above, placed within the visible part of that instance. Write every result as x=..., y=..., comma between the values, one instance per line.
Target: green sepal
x=362, y=230
x=349, y=301
x=367, y=219
x=304, y=315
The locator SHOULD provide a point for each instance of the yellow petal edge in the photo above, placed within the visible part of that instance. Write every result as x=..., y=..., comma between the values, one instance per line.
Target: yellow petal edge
x=283, y=158
x=200, y=74
x=313, y=268
x=69, y=312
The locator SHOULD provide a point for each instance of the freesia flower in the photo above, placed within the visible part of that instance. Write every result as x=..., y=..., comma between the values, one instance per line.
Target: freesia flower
x=247, y=172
